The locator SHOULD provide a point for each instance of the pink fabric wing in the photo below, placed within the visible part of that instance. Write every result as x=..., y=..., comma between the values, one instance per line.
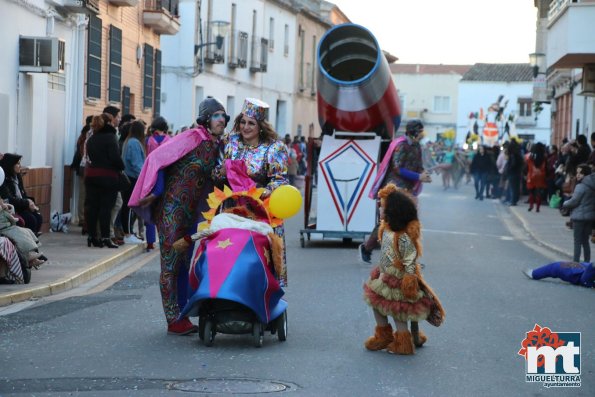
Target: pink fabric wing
x=237, y=175
x=163, y=156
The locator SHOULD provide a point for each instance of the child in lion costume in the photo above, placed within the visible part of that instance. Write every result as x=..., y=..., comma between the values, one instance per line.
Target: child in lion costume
x=396, y=287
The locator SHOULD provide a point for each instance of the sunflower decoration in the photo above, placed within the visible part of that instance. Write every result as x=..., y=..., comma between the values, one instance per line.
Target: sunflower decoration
x=251, y=205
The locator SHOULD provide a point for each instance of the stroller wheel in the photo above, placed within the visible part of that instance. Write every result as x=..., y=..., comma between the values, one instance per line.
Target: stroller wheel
x=281, y=325
x=209, y=333
x=257, y=334
x=201, y=328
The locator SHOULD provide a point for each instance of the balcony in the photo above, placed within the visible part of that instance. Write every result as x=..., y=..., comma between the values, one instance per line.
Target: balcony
x=124, y=3
x=80, y=6
x=570, y=33
x=162, y=16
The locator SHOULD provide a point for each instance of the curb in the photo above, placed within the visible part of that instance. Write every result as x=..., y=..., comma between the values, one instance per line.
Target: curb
x=547, y=245
x=72, y=281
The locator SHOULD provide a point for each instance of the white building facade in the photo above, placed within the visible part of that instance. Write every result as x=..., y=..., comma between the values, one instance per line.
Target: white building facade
x=429, y=93
x=256, y=59
x=41, y=111
x=564, y=65
x=482, y=86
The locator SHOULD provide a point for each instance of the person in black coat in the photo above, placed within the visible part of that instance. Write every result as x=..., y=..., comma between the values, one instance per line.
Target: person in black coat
x=513, y=171
x=101, y=179
x=13, y=191
x=480, y=169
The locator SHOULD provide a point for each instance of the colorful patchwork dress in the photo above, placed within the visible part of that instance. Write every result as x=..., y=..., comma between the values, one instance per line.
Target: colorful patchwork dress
x=266, y=165
x=383, y=290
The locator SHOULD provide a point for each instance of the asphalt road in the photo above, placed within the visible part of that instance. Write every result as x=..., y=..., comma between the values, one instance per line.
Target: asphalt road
x=113, y=342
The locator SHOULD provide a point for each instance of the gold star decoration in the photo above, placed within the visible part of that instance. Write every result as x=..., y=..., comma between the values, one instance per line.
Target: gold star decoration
x=267, y=256
x=224, y=243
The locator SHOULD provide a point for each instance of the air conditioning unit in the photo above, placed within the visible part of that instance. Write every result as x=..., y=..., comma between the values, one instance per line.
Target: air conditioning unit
x=41, y=54
x=588, y=80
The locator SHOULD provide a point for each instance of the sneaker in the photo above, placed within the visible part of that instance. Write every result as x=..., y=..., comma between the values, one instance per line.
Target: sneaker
x=364, y=255
x=181, y=327
x=528, y=273
x=132, y=239
x=150, y=246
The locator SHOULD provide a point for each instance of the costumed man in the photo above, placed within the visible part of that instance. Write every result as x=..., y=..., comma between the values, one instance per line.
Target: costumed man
x=577, y=273
x=402, y=165
x=171, y=193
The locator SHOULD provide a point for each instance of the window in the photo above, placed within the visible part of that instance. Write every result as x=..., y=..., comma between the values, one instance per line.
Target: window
x=125, y=100
x=115, y=65
x=271, y=34
x=301, y=39
x=286, y=41
x=94, y=58
x=255, y=56
x=525, y=105
x=264, y=55
x=441, y=104
x=148, y=78
x=242, y=49
x=157, y=102
x=313, y=77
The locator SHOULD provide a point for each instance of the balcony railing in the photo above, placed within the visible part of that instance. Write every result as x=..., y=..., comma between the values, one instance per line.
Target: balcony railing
x=124, y=3
x=171, y=6
x=556, y=8
x=162, y=16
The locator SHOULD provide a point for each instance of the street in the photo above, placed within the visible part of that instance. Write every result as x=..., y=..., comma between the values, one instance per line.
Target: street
x=113, y=342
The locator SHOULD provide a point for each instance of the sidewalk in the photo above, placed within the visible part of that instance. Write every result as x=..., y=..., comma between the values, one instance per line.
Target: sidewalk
x=547, y=228
x=71, y=263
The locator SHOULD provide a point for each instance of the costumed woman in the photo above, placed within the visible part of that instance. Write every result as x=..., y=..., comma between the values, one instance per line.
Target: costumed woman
x=254, y=142
x=171, y=193
x=396, y=287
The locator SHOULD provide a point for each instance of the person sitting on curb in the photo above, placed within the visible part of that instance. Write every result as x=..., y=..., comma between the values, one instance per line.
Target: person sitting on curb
x=577, y=273
x=24, y=239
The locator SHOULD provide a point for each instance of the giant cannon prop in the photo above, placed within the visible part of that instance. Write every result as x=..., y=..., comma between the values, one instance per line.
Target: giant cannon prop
x=358, y=108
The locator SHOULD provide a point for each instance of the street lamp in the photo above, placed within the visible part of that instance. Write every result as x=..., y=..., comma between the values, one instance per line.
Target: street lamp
x=536, y=60
x=216, y=29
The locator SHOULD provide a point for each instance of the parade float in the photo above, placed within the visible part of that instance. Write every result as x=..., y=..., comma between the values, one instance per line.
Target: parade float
x=358, y=110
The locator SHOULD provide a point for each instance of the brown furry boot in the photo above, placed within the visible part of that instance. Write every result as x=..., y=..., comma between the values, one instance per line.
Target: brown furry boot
x=383, y=336
x=402, y=343
x=419, y=338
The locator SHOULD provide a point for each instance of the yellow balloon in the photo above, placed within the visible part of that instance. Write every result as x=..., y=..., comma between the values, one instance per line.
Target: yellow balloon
x=285, y=202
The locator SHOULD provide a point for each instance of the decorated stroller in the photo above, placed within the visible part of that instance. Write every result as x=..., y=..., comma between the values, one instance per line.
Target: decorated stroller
x=233, y=277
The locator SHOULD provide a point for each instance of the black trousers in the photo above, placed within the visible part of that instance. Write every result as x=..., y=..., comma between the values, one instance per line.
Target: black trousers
x=33, y=220
x=99, y=202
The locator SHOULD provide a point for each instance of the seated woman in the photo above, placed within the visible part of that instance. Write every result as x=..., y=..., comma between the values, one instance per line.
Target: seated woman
x=24, y=239
x=10, y=266
x=13, y=190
